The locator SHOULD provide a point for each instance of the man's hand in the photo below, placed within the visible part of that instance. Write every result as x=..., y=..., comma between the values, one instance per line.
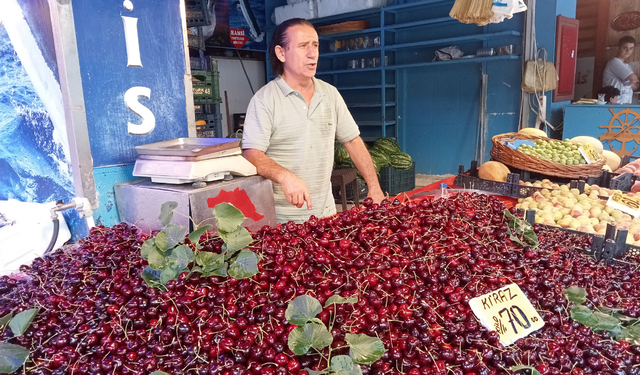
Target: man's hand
x=295, y=190
x=293, y=187
x=376, y=194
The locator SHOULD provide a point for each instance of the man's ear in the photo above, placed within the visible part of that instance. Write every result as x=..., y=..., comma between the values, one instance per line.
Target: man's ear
x=280, y=53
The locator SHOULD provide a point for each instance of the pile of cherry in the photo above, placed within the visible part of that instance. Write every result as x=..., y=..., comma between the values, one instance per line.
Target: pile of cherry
x=414, y=267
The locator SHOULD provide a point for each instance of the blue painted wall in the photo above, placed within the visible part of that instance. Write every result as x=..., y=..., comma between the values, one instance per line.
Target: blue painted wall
x=439, y=107
x=106, y=77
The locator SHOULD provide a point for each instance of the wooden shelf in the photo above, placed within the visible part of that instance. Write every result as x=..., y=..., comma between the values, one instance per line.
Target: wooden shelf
x=350, y=34
x=375, y=123
x=349, y=52
x=365, y=87
x=370, y=105
x=458, y=39
x=474, y=60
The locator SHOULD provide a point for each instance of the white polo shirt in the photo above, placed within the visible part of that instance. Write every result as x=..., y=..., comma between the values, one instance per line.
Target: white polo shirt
x=301, y=139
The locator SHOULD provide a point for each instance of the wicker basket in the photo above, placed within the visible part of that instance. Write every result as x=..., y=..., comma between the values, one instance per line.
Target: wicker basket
x=517, y=159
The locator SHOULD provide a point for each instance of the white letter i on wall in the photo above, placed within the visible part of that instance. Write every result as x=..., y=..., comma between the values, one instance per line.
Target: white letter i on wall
x=131, y=37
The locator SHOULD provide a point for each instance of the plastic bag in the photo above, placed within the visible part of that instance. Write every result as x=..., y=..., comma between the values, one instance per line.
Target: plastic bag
x=539, y=76
x=506, y=9
x=448, y=53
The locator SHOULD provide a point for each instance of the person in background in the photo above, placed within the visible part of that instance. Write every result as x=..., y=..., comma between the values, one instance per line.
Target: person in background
x=619, y=74
x=291, y=126
x=611, y=94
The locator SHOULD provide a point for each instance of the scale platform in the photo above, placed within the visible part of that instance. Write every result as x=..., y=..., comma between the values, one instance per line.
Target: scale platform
x=188, y=160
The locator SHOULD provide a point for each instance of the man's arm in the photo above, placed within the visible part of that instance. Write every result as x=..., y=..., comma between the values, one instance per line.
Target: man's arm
x=634, y=82
x=362, y=159
x=293, y=188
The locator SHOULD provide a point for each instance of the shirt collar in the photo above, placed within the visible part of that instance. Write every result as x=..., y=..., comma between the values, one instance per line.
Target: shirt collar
x=286, y=89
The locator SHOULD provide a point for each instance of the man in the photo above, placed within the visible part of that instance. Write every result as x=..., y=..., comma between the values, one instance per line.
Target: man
x=291, y=126
x=619, y=74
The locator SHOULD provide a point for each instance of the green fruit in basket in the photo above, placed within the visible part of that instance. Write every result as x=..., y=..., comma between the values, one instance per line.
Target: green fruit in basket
x=379, y=157
x=400, y=161
x=563, y=152
x=340, y=153
x=386, y=145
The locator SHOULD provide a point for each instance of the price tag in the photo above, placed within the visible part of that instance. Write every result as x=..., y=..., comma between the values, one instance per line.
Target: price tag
x=624, y=203
x=590, y=154
x=508, y=312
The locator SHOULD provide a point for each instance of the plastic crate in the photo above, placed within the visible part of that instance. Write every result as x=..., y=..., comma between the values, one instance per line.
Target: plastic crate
x=206, y=86
x=199, y=63
x=196, y=13
x=394, y=181
x=206, y=108
x=195, y=41
x=209, y=125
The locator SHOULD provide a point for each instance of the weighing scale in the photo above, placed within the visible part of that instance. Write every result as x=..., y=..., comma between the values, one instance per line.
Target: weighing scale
x=189, y=160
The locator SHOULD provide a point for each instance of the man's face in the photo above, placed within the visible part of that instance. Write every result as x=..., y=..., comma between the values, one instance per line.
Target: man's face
x=300, y=57
x=625, y=51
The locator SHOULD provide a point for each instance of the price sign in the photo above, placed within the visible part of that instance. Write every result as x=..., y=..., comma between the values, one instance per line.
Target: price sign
x=625, y=203
x=508, y=312
x=590, y=154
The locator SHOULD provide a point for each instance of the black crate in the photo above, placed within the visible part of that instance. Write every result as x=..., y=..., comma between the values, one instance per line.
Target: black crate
x=209, y=125
x=199, y=63
x=197, y=13
x=361, y=185
x=195, y=41
x=206, y=108
x=394, y=181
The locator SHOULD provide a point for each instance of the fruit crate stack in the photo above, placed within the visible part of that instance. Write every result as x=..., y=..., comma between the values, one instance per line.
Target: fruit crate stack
x=396, y=170
x=206, y=97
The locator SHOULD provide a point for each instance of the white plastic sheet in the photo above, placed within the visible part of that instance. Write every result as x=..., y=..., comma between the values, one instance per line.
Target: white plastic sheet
x=25, y=233
x=506, y=9
x=307, y=9
x=331, y=7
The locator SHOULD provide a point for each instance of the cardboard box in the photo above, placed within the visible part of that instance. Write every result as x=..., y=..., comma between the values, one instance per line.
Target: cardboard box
x=139, y=202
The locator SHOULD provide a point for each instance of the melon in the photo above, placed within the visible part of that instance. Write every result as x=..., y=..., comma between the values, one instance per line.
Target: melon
x=494, y=171
x=583, y=140
x=613, y=160
x=533, y=131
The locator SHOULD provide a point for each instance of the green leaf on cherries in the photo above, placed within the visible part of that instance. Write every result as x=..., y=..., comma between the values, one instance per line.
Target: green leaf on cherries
x=166, y=212
x=615, y=312
x=520, y=231
x=604, y=322
x=196, y=234
x=156, y=259
x=235, y=240
x=6, y=319
x=228, y=217
x=170, y=237
x=151, y=276
x=575, y=294
x=180, y=257
x=313, y=372
x=20, y=323
x=168, y=273
x=344, y=365
x=311, y=335
x=630, y=334
x=582, y=315
x=222, y=271
x=532, y=370
x=147, y=247
x=244, y=265
x=209, y=261
x=302, y=309
x=158, y=372
x=364, y=349
x=12, y=357
x=338, y=300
